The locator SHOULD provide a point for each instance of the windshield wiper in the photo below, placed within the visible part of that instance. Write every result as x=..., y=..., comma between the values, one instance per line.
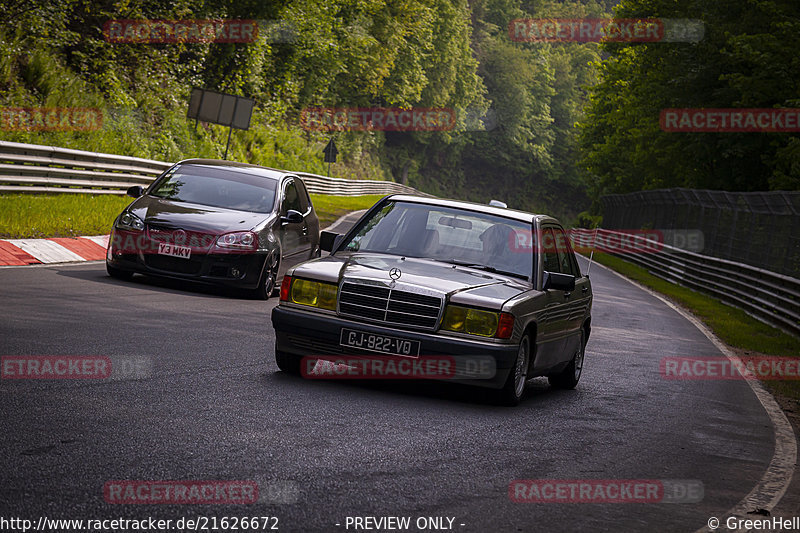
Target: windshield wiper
x=486, y=268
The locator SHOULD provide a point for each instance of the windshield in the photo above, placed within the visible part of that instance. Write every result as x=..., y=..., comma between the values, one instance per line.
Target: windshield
x=228, y=187
x=457, y=236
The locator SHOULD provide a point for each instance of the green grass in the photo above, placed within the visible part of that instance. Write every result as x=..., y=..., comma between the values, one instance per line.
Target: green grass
x=58, y=215
x=329, y=208
x=69, y=215
x=733, y=326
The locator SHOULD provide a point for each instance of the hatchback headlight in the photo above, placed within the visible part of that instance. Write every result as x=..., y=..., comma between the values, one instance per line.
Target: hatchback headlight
x=311, y=293
x=477, y=322
x=130, y=221
x=238, y=240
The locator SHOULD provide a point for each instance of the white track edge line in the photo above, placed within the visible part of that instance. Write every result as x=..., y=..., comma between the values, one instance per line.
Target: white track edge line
x=776, y=480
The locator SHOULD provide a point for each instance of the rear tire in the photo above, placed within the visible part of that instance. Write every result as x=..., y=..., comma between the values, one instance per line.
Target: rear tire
x=118, y=274
x=514, y=389
x=288, y=362
x=569, y=377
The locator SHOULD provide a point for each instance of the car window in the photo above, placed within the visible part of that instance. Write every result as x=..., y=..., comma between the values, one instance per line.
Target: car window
x=566, y=259
x=226, y=187
x=447, y=234
x=302, y=192
x=549, y=254
x=291, y=199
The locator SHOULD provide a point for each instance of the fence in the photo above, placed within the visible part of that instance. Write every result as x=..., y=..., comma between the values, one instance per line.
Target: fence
x=768, y=296
x=761, y=229
x=34, y=168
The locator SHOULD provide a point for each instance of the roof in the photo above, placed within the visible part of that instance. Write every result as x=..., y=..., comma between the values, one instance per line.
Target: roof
x=267, y=172
x=522, y=216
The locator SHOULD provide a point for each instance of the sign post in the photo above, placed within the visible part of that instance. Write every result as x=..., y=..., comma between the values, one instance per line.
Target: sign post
x=330, y=152
x=220, y=108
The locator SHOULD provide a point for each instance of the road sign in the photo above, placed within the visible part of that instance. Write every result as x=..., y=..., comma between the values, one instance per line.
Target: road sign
x=330, y=152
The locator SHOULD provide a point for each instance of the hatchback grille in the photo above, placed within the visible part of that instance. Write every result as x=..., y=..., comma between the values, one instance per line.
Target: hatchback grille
x=391, y=306
x=174, y=264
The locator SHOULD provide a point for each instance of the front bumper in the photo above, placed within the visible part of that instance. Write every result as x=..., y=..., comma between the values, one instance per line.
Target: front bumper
x=239, y=270
x=311, y=334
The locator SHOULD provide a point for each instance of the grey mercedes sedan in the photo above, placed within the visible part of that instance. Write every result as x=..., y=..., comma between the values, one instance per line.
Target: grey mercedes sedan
x=216, y=222
x=421, y=279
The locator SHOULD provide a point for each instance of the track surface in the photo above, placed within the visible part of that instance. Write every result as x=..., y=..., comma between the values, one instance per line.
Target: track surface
x=216, y=407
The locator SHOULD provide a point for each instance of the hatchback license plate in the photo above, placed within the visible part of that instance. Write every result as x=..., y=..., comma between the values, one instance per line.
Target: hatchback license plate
x=379, y=343
x=174, y=250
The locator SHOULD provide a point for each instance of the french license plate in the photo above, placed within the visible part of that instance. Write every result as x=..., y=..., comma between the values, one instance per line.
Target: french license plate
x=174, y=250
x=379, y=343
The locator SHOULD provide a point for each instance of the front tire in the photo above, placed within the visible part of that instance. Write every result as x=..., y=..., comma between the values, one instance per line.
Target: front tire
x=267, y=283
x=288, y=362
x=118, y=274
x=569, y=377
x=514, y=389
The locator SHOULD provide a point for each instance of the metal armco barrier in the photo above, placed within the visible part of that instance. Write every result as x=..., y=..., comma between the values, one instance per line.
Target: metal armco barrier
x=767, y=296
x=33, y=168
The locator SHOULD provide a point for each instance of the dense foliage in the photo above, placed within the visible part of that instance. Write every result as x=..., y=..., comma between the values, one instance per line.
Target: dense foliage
x=338, y=53
x=746, y=59
x=542, y=148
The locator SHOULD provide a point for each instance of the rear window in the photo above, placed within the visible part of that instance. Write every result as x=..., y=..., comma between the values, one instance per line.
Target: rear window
x=226, y=187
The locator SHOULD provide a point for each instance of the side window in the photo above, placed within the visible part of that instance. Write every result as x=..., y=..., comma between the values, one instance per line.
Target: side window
x=291, y=200
x=566, y=260
x=549, y=253
x=305, y=200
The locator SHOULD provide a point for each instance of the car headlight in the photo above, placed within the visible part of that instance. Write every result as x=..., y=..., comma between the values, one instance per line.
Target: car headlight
x=238, y=240
x=477, y=322
x=311, y=293
x=130, y=221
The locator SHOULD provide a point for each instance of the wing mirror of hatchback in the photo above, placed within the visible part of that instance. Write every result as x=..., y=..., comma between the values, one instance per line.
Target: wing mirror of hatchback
x=292, y=217
x=329, y=240
x=559, y=282
x=135, y=192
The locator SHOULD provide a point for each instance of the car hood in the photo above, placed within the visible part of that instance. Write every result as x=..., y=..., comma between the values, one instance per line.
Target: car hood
x=195, y=217
x=462, y=285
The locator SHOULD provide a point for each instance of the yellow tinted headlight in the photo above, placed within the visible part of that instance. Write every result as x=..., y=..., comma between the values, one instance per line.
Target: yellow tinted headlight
x=314, y=294
x=472, y=321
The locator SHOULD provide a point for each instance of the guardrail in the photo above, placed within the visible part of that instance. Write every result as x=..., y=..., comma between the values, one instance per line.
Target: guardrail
x=32, y=168
x=767, y=296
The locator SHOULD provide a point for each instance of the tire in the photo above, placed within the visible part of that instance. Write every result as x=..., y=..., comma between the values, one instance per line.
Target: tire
x=569, y=377
x=118, y=274
x=288, y=362
x=514, y=388
x=267, y=283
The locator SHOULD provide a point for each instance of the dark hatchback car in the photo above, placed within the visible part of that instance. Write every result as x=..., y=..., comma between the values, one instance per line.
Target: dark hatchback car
x=421, y=279
x=218, y=222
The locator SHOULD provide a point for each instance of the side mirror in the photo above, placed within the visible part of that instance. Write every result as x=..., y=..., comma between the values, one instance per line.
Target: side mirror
x=292, y=217
x=329, y=240
x=559, y=282
x=135, y=191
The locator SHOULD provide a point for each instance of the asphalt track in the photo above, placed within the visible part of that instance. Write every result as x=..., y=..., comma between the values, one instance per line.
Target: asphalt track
x=213, y=406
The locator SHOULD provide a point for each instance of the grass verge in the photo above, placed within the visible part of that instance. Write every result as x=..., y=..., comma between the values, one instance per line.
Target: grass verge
x=733, y=326
x=36, y=216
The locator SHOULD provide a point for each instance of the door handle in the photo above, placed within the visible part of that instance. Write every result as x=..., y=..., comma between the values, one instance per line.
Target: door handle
x=585, y=290
x=567, y=294
x=305, y=230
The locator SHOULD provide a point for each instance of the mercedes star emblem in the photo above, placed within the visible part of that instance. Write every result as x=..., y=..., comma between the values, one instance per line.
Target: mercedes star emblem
x=395, y=273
